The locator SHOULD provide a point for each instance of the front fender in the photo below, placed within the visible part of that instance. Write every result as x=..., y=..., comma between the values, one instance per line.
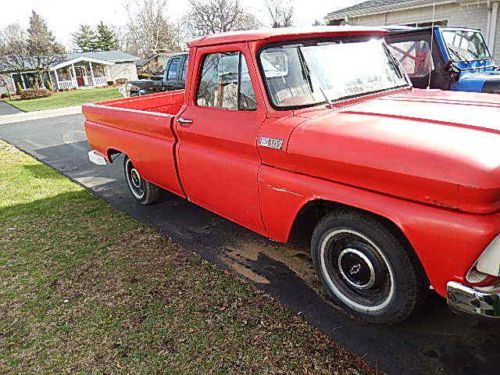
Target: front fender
x=446, y=242
x=492, y=86
x=468, y=84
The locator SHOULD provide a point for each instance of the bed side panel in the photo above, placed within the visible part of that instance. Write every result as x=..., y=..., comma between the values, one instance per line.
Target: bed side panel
x=166, y=102
x=147, y=138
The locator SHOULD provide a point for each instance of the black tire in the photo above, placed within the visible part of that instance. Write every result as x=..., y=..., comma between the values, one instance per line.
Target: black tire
x=366, y=268
x=144, y=192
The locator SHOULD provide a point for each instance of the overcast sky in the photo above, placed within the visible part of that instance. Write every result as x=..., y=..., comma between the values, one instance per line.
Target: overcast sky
x=64, y=16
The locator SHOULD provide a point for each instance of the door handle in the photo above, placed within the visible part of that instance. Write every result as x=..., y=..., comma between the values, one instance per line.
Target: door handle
x=184, y=122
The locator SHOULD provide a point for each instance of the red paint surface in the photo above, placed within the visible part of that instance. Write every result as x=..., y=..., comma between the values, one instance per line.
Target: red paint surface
x=429, y=161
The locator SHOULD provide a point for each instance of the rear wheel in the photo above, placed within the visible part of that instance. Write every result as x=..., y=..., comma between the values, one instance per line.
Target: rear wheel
x=366, y=268
x=143, y=191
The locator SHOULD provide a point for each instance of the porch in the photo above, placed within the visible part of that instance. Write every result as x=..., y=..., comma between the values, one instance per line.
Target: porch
x=82, y=73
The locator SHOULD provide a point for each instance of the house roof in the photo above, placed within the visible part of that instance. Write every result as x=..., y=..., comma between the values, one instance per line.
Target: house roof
x=381, y=6
x=277, y=35
x=105, y=57
x=111, y=56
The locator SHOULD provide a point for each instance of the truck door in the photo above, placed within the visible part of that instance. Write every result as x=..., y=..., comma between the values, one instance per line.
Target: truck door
x=217, y=132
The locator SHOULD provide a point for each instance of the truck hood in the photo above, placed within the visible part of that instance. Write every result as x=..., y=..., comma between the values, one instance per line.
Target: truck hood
x=436, y=147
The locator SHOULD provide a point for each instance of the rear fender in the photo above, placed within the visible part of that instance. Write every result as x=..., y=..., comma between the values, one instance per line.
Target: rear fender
x=152, y=156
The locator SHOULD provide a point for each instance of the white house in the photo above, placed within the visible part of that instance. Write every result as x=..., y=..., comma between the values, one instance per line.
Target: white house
x=477, y=14
x=77, y=70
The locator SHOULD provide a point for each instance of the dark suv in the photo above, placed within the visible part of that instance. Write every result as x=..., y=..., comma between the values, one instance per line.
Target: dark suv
x=173, y=78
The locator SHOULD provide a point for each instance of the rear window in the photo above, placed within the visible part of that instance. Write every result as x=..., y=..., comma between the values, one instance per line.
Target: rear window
x=415, y=57
x=173, y=69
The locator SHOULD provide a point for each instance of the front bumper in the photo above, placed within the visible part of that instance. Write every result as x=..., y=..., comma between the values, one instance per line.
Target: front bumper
x=484, y=301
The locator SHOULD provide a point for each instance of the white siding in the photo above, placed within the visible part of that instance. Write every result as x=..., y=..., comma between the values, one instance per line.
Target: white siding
x=497, y=40
x=464, y=15
x=123, y=70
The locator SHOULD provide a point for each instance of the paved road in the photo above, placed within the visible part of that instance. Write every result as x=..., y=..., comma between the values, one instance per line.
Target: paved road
x=434, y=341
x=7, y=109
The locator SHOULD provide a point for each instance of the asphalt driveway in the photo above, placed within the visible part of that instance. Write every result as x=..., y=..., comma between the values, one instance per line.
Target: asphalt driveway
x=7, y=109
x=433, y=341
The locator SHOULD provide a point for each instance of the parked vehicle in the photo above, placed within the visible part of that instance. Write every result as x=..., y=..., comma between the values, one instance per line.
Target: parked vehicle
x=460, y=59
x=173, y=78
x=292, y=130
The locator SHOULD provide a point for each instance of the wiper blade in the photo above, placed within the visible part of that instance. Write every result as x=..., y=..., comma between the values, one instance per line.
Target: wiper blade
x=393, y=62
x=473, y=53
x=309, y=75
x=458, y=55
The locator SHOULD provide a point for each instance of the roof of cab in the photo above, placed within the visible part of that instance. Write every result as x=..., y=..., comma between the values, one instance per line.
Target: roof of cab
x=285, y=34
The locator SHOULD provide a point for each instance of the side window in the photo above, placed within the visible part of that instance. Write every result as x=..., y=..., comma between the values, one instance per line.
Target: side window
x=184, y=69
x=247, y=100
x=173, y=69
x=225, y=83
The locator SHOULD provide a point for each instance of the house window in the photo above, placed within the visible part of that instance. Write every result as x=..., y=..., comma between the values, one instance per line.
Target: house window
x=64, y=74
x=225, y=83
x=442, y=23
x=99, y=70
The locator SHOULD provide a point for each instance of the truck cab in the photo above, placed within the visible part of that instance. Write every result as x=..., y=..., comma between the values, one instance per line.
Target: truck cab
x=445, y=58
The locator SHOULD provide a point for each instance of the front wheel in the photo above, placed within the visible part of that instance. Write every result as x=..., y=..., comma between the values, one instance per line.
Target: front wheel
x=366, y=268
x=143, y=191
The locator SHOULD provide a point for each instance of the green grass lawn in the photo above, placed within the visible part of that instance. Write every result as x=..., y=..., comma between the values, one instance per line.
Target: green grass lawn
x=86, y=289
x=66, y=99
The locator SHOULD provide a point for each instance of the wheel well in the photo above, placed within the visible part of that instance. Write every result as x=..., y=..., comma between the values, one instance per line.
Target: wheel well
x=112, y=154
x=313, y=211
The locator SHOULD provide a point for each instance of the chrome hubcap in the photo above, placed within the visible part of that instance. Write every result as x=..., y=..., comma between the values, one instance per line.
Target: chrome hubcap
x=356, y=268
x=134, y=180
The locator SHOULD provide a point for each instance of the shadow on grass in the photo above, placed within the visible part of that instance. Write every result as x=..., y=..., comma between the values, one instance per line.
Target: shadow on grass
x=434, y=340
x=40, y=171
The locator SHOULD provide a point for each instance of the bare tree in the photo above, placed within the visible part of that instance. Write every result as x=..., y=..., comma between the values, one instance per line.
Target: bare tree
x=13, y=48
x=35, y=49
x=149, y=29
x=281, y=12
x=215, y=16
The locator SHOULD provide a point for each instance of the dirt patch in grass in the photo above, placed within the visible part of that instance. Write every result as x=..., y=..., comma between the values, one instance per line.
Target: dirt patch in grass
x=85, y=288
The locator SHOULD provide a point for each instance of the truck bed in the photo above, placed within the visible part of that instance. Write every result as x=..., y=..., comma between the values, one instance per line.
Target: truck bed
x=166, y=102
x=149, y=141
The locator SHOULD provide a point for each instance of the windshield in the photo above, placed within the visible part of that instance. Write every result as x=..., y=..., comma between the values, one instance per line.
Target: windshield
x=465, y=45
x=305, y=75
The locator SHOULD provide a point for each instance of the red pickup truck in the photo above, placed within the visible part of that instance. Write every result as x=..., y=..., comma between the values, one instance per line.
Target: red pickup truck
x=320, y=129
